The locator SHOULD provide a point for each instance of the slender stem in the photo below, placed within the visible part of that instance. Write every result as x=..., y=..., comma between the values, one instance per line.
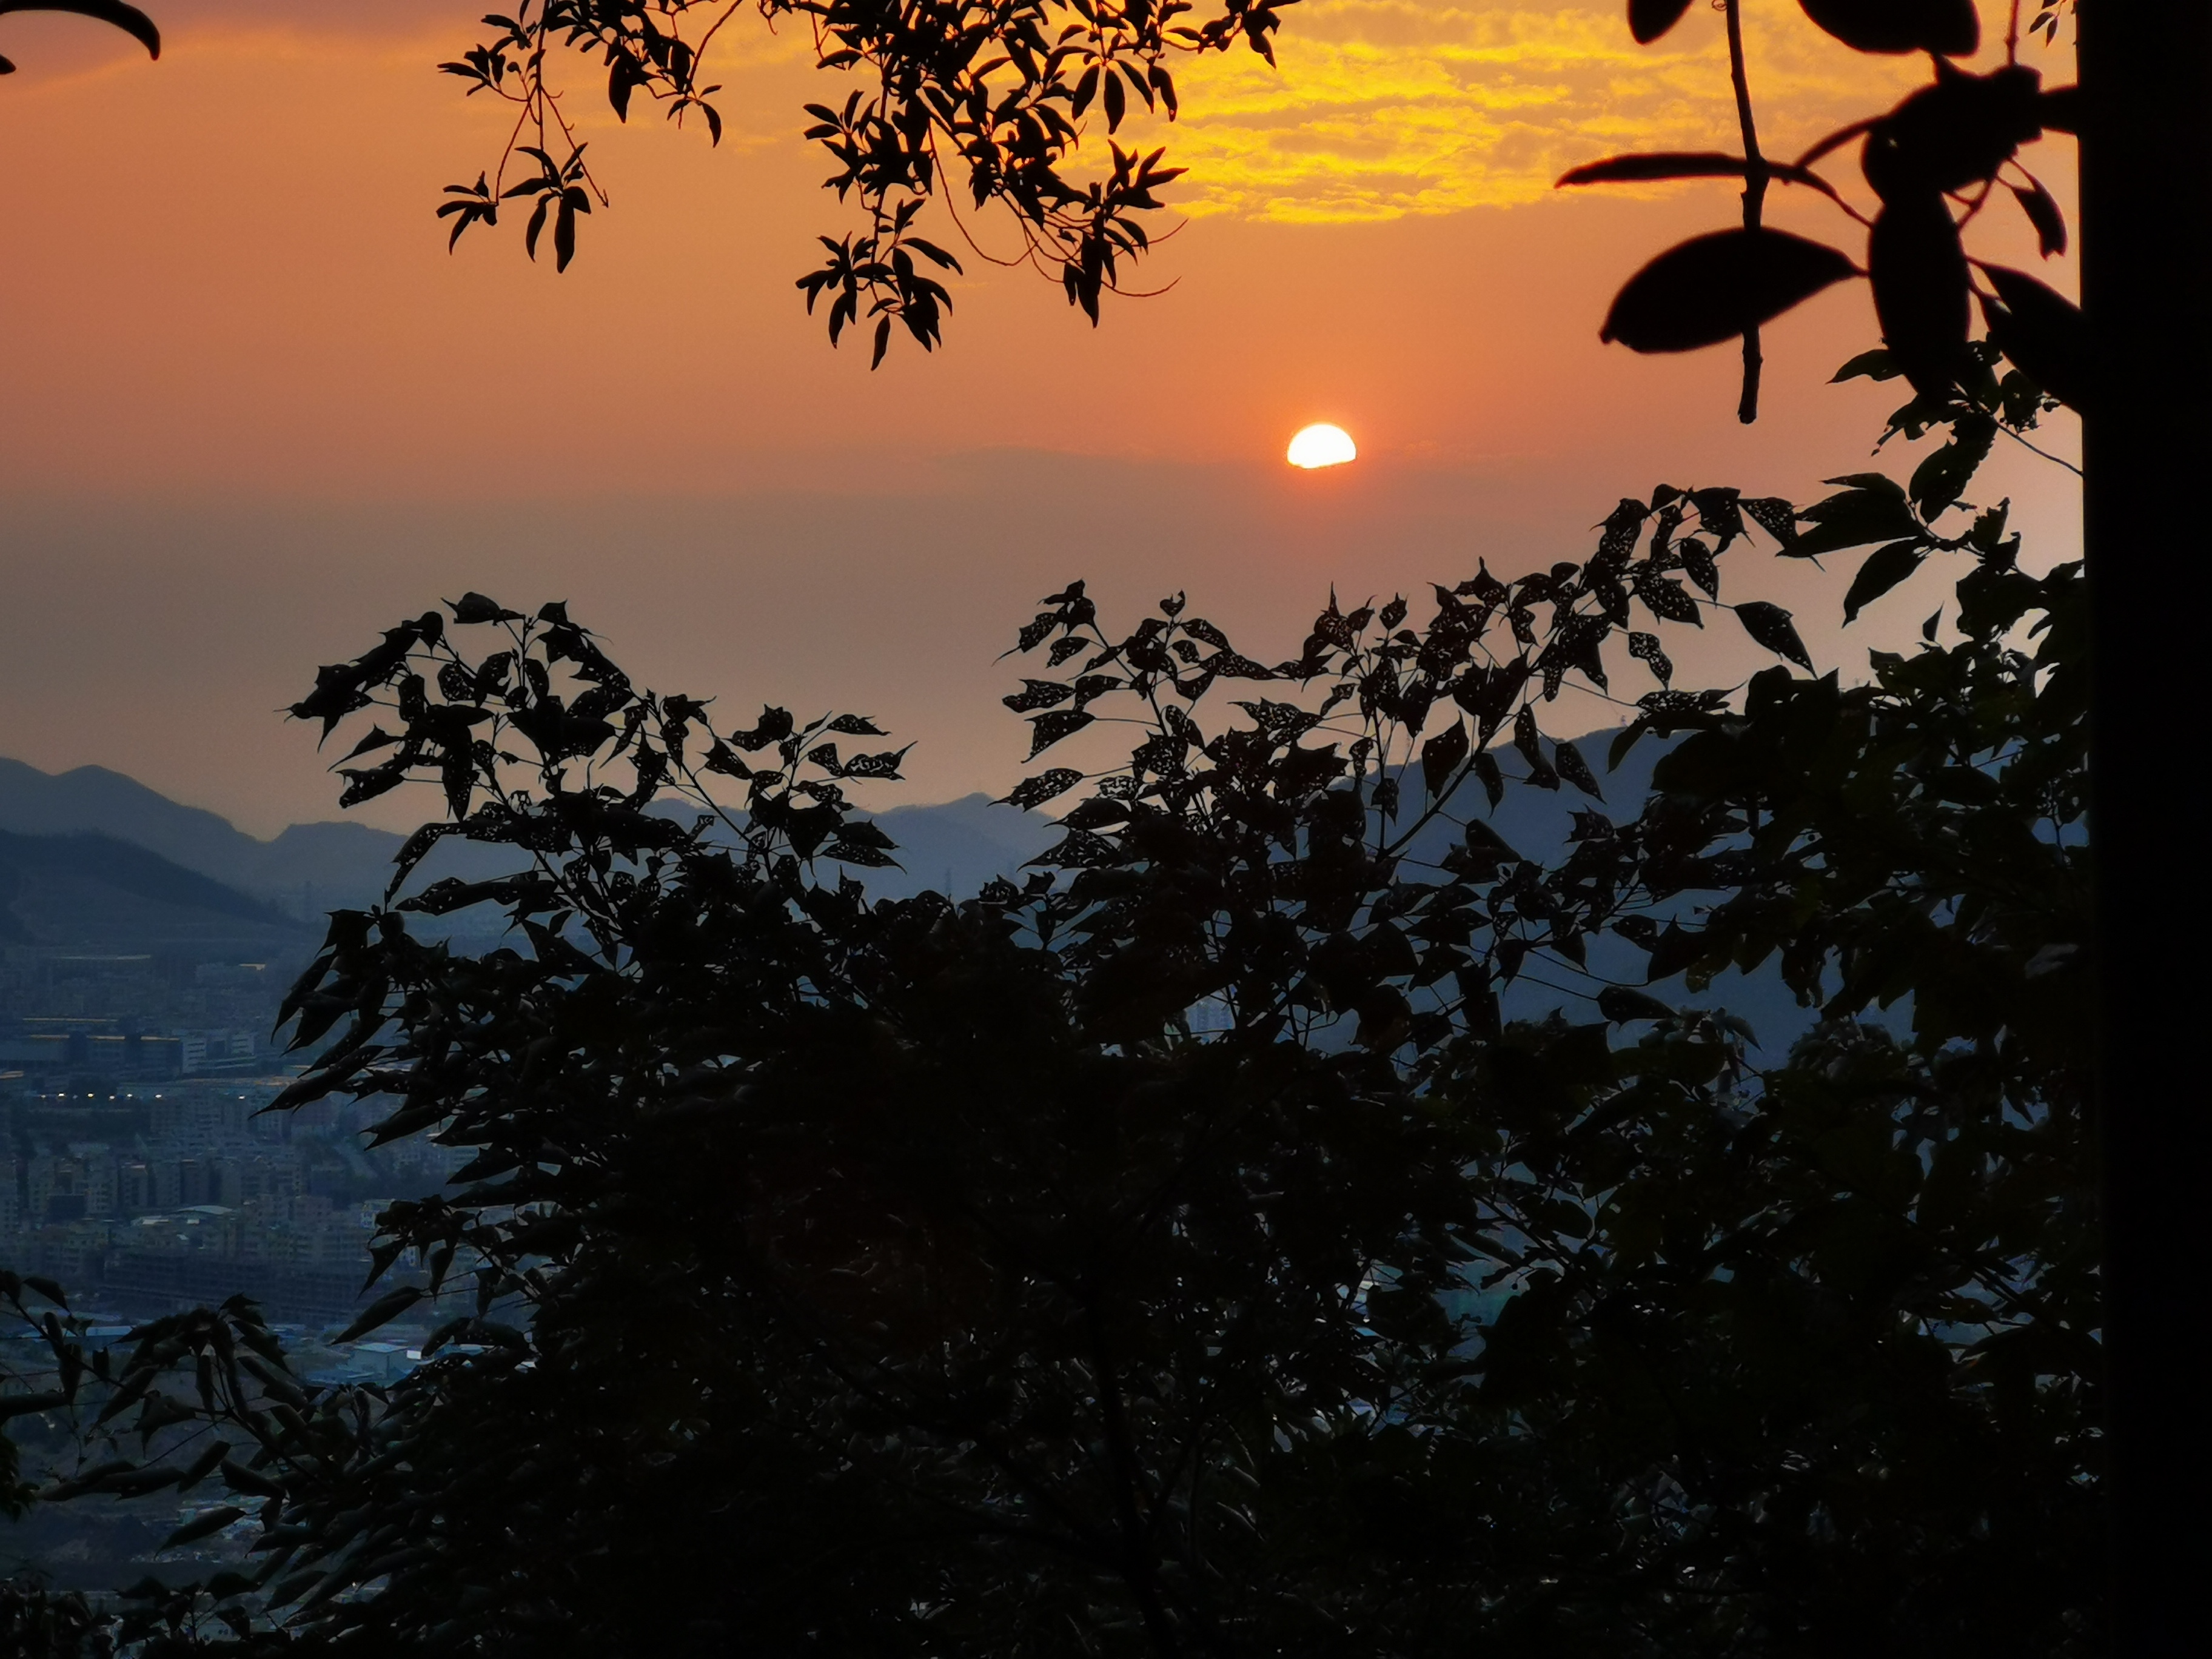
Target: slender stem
x=1754, y=198
x=2056, y=460
x=1136, y=1556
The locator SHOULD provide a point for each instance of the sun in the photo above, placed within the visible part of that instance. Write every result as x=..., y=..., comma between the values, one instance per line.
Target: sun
x=1322, y=446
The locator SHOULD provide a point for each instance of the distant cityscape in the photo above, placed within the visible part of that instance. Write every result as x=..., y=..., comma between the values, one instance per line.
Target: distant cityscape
x=145, y=948
x=138, y=1166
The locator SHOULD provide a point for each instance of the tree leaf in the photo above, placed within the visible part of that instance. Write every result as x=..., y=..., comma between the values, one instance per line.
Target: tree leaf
x=1699, y=562
x=1037, y=694
x=1950, y=28
x=1713, y=288
x=1675, y=949
x=1939, y=480
x=473, y=607
x=1493, y=781
x=564, y=233
x=1953, y=134
x=1918, y=266
x=1872, y=509
x=2042, y=331
x=382, y=1311
x=1776, y=516
x=1770, y=626
x=843, y=849
x=1621, y=1004
x=16, y=1405
x=1441, y=757
x=1683, y=164
x=1875, y=365
x=1666, y=599
x=1575, y=769
x=1035, y=791
x=240, y=1477
x=1049, y=729
x=1884, y=569
x=1525, y=739
x=200, y=1526
x=2043, y=212
x=1648, y=20
x=1645, y=647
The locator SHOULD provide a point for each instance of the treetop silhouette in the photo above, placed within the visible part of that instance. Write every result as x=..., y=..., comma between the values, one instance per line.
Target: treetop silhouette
x=1183, y=1246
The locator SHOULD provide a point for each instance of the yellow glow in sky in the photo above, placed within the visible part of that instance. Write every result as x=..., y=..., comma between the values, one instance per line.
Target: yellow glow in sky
x=1381, y=109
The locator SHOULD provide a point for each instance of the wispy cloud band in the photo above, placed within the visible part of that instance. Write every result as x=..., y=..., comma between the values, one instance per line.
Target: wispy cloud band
x=1381, y=109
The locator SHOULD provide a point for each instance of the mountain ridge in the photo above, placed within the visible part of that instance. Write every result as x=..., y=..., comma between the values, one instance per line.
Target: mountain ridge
x=90, y=891
x=311, y=867
x=953, y=846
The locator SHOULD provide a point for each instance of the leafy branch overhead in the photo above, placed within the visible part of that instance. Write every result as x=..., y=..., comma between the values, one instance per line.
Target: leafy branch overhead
x=962, y=104
x=1933, y=164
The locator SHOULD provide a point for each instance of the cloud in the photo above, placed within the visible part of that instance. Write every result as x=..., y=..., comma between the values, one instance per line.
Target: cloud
x=1382, y=108
x=1376, y=109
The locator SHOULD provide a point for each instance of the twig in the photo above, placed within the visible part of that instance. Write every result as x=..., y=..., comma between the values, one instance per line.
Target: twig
x=1755, y=199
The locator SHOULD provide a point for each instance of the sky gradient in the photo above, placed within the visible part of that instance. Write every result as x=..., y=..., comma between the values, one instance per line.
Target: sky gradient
x=250, y=410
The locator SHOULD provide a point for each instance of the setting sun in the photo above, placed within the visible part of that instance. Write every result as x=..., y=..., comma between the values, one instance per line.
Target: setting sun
x=1322, y=446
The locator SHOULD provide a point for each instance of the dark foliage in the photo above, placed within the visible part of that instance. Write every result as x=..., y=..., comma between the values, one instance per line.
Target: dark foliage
x=1933, y=163
x=959, y=100
x=1712, y=288
x=1177, y=1252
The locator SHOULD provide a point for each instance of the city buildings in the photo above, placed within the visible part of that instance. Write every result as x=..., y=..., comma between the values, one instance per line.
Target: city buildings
x=137, y=1166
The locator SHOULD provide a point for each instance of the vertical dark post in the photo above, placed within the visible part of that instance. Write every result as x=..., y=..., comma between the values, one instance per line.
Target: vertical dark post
x=2147, y=286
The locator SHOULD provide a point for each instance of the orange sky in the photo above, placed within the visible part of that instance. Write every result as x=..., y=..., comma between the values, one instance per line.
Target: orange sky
x=250, y=409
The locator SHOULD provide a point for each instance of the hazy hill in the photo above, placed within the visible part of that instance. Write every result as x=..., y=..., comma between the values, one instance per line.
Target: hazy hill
x=341, y=860
x=314, y=867
x=93, y=799
x=308, y=869
x=97, y=893
x=955, y=846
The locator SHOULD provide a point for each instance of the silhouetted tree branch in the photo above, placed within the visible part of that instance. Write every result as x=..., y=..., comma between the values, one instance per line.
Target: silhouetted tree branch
x=985, y=100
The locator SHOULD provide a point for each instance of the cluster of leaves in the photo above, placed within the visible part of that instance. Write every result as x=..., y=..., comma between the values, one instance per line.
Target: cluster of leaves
x=984, y=100
x=1179, y=1249
x=42, y=1623
x=1302, y=812
x=1888, y=1259
x=206, y=1396
x=49, y=1327
x=1933, y=163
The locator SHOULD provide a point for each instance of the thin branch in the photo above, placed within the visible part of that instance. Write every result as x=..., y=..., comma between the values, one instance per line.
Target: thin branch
x=1754, y=198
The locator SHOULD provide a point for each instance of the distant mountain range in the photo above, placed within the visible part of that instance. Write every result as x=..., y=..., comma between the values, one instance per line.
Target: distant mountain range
x=309, y=868
x=99, y=894
x=92, y=859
